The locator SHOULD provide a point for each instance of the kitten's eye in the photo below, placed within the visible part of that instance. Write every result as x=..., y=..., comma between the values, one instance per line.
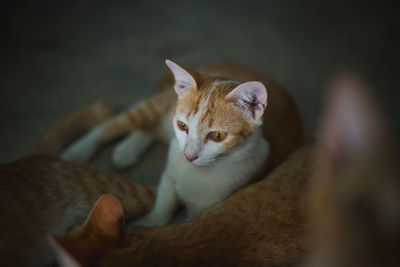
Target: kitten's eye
x=183, y=126
x=216, y=136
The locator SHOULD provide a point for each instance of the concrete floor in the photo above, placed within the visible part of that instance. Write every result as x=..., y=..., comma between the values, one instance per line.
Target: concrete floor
x=56, y=57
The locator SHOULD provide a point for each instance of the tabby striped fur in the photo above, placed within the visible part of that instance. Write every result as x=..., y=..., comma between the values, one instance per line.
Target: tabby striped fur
x=40, y=194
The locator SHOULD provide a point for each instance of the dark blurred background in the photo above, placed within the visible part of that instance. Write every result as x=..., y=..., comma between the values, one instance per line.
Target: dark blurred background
x=58, y=56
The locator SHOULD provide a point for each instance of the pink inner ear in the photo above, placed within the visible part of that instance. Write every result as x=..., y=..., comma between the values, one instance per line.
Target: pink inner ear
x=251, y=98
x=261, y=96
x=180, y=84
x=183, y=80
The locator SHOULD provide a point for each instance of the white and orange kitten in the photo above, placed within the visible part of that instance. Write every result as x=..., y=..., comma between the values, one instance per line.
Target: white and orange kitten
x=218, y=145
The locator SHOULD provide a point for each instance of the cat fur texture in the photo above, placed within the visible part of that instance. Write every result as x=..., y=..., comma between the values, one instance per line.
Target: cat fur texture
x=221, y=139
x=40, y=194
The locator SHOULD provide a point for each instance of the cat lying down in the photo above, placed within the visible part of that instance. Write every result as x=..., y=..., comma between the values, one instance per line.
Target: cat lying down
x=41, y=194
x=263, y=224
x=336, y=205
x=221, y=138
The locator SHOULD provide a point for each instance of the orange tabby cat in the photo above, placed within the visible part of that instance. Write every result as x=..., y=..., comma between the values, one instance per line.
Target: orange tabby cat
x=40, y=194
x=262, y=224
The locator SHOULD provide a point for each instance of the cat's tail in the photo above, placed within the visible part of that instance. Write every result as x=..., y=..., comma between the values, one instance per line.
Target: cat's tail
x=142, y=115
x=70, y=127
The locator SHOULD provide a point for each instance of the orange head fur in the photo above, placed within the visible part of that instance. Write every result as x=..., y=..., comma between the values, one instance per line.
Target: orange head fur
x=212, y=107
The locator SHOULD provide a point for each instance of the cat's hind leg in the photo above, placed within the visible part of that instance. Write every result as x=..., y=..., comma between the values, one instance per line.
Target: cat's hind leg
x=131, y=148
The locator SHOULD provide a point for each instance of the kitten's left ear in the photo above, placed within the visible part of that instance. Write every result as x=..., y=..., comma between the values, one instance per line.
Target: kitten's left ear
x=105, y=222
x=250, y=98
x=184, y=81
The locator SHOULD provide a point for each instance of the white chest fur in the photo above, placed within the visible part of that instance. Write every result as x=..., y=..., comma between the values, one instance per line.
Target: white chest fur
x=200, y=187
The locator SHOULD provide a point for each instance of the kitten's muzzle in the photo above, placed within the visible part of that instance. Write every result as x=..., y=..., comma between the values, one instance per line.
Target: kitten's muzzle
x=190, y=157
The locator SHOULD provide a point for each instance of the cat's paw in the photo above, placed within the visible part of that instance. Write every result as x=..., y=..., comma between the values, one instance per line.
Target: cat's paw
x=129, y=151
x=81, y=151
x=123, y=157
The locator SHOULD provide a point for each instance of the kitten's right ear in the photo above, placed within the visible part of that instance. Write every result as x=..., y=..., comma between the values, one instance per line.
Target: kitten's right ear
x=250, y=98
x=184, y=81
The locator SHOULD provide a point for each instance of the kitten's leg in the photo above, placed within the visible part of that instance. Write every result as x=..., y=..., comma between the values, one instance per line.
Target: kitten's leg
x=131, y=148
x=164, y=207
x=142, y=115
x=84, y=148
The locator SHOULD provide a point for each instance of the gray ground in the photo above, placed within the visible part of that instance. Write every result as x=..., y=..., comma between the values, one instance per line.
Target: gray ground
x=56, y=57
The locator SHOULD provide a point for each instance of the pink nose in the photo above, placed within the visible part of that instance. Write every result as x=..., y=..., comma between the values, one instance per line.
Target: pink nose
x=190, y=157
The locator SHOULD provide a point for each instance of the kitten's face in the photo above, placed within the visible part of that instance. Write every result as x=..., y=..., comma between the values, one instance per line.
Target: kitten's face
x=213, y=116
x=208, y=126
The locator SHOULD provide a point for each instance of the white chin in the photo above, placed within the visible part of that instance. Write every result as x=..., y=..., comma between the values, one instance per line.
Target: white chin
x=201, y=163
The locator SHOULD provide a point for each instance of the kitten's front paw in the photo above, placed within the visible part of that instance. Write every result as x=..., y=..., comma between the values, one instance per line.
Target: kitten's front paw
x=128, y=152
x=123, y=156
x=79, y=151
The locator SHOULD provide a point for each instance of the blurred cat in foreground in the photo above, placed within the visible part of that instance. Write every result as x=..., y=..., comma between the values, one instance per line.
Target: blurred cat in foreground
x=355, y=186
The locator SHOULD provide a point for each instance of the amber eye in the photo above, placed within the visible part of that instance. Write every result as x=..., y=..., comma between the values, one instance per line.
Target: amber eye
x=183, y=126
x=217, y=136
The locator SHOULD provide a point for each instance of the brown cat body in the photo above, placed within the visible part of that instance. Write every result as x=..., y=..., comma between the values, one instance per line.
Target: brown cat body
x=263, y=224
x=40, y=194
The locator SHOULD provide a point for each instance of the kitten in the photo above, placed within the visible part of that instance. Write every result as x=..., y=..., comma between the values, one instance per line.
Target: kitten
x=40, y=194
x=220, y=140
x=356, y=185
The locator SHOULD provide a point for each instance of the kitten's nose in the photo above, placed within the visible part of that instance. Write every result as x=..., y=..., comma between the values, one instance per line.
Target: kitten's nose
x=190, y=157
